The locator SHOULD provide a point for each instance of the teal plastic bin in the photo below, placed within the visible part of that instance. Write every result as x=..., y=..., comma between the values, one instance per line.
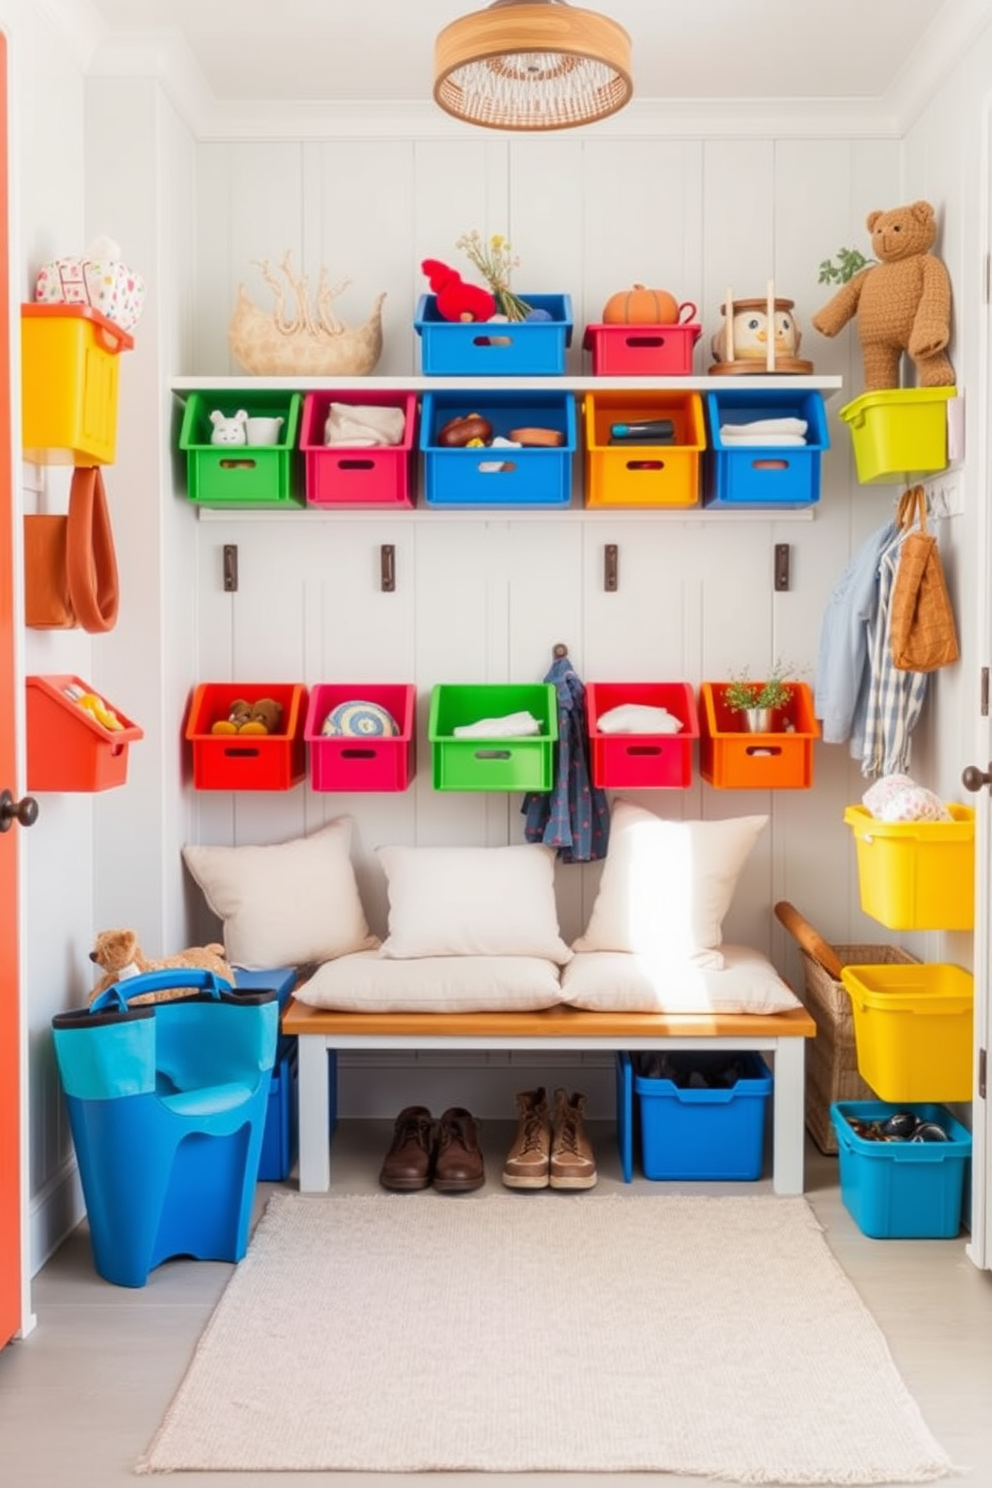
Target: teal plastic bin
x=167, y=1105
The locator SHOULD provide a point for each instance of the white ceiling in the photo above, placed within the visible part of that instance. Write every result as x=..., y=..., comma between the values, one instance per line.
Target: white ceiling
x=311, y=51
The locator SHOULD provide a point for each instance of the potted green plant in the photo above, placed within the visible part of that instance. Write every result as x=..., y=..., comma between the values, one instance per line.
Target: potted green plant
x=758, y=701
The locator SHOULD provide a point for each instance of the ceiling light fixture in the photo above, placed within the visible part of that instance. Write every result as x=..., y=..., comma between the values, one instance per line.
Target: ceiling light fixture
x=532, y=65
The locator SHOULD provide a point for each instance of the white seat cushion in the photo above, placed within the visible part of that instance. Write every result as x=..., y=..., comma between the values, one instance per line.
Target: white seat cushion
x=371, y=983
x=616, y=981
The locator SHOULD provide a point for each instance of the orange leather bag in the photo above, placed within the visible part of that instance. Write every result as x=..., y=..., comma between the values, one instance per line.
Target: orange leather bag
x=70, y=565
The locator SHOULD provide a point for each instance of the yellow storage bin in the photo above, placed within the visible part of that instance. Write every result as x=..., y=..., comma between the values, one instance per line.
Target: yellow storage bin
x=917, y=875
x=913, y=1030
x=70, y=359
x=898, y=432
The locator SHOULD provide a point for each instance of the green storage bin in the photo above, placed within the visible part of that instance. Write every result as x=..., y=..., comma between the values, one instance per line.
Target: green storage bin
x=242, y=475
x=492, y=762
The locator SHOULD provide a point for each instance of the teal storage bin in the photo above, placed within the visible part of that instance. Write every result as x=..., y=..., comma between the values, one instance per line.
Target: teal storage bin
x=482, y=762
x=902, y=1190
x=167, y=1104
x=757, y=475
x=242, y=475
x=716, y=1132
x=485, y=477
x=515, y=349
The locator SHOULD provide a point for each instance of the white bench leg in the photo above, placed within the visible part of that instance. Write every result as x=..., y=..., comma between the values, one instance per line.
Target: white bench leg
x=788, y=1115
x=315, y=1160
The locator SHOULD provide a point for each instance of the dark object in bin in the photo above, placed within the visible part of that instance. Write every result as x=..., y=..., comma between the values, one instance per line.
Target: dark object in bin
x=700, y=1071
x=901, y=1126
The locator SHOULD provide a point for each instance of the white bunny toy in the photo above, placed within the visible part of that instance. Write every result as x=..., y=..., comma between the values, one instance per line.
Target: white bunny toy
x=229, y=430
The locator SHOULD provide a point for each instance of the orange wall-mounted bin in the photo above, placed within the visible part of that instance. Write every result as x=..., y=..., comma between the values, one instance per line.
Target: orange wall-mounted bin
x=70, y=361
x=241, y=762
x=731, y=758
x=68, y=750
x=636, y=474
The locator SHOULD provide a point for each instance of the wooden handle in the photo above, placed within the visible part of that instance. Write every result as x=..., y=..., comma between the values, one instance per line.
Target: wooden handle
x=808, y=939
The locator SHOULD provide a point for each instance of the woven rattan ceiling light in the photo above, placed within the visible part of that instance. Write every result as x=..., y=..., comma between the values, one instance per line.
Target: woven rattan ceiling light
x=532, y=64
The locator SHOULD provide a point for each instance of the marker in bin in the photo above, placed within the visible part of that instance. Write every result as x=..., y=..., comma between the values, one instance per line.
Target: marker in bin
x=649, y=431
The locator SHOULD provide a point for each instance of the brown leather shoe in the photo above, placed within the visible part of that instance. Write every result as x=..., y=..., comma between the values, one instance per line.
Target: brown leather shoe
x=572, y=1162
x=528, y=1162
x=408, y=1163
x=458, y=1166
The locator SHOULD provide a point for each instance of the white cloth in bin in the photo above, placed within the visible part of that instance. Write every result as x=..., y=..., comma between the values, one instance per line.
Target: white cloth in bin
x=766, y=441
x=898, y=798
x=508, y=726
x=766, y=426
x=363, y=425
x=638, y=718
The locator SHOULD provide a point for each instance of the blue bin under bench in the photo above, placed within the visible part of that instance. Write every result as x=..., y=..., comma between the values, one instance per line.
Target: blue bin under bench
x=764, y=475
x=524, y=348
x=713, y=1131
x=280, y=1139
x=529, y=476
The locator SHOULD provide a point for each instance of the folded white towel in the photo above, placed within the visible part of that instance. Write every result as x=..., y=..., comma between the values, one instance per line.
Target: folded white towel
x=510, y=726
x=767, y=441
x=638, y=718
x=362, y=425
x=767, y=426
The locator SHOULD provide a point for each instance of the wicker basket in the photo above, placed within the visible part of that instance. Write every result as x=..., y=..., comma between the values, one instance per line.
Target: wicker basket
x=832, y=1057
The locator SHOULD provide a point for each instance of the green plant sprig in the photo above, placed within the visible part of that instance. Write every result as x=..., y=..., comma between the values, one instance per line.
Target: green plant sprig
x=850, y=261
x=741, y=693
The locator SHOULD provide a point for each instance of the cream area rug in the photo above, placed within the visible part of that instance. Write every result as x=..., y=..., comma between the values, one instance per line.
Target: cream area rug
x=545, y=1332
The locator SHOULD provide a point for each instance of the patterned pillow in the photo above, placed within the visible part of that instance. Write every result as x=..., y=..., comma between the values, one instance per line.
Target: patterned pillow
x=358, y=719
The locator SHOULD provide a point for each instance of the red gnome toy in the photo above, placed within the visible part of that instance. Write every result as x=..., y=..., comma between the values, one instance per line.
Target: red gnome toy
x=455, y=299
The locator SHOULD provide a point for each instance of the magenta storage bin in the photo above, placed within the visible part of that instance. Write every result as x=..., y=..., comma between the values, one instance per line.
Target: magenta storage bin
x=362, y=762
x=645, y=761
x=357, y=475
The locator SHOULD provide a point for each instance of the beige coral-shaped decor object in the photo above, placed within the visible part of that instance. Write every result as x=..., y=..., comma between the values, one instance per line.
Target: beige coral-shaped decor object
x=308, y=340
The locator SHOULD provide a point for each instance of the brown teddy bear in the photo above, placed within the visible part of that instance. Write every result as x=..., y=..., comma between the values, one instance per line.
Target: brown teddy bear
x=119, y=956
x=903, y=302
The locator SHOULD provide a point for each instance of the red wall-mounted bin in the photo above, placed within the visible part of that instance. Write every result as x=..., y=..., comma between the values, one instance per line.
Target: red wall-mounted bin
x=731, y=758
x=641, y=350
x=240, y=762
x=362, y=761
x=68, y=749
x=357, y=475
x=642, y=760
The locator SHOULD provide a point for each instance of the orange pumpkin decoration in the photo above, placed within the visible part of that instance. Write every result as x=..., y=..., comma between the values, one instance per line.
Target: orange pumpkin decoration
x=641, y=306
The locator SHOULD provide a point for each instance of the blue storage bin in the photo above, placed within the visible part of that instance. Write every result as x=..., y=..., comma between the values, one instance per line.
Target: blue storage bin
x=758, y=475
x=902, y=1190
x=473, y=348
x=530, y=476
x=280, y=1139
x=717, y=1132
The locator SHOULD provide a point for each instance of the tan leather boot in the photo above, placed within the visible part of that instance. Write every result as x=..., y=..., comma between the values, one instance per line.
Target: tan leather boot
x=572, y=1162
x=528, y=1163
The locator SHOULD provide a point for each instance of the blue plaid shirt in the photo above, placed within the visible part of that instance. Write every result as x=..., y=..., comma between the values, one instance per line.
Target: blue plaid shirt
x=574, y=816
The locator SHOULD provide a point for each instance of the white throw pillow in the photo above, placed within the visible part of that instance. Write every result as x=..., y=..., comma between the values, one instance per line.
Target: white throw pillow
x=617, y=982
x=369, y=983
x=667, y=885
x=288, y=904
x=472, y=901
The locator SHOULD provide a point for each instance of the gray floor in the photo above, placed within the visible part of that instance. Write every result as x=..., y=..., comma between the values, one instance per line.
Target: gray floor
x=81, y=1397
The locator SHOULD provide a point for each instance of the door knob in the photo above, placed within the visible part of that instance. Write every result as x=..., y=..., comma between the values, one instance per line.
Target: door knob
x=25, y=811
x=973, y=778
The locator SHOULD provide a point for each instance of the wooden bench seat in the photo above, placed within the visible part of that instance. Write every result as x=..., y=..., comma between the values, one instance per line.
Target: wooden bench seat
x=780, y=1034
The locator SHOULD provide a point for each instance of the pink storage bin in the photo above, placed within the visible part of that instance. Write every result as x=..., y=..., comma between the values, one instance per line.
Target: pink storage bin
x=641, y=350
x=357, y=475
x=362, y=762
x=642, y=761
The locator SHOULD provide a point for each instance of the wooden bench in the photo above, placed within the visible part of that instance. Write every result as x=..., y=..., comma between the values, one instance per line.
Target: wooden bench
x=781, y=1034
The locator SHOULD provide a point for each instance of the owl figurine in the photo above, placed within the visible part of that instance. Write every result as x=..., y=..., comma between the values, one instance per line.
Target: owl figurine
x=751, y=331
